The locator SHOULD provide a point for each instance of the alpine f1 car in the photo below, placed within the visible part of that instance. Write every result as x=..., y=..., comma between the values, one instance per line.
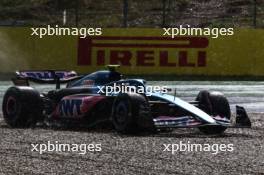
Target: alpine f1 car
x=85, y=101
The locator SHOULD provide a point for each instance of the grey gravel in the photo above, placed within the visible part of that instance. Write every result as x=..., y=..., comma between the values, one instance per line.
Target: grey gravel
x=132, y=154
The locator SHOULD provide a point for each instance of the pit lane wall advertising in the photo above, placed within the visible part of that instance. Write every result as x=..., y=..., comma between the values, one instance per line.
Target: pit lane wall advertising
x=138, y=51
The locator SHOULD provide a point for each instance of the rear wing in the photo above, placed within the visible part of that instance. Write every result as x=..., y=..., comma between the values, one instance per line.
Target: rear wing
x=44, y=77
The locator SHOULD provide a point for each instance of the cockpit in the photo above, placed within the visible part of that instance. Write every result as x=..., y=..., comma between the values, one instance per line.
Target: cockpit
x=98, y=78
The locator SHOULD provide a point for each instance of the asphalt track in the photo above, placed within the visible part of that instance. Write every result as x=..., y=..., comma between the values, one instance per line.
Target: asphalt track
x=143, y=154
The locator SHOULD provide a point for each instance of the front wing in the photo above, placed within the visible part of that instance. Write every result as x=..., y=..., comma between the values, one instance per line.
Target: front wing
x=241, y=121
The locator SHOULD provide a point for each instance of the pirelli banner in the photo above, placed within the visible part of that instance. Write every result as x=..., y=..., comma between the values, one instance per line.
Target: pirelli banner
x=138, y=51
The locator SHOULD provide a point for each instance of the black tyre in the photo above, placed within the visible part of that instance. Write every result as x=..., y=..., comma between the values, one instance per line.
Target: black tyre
x=214, y=103
x=21, y=107
x=131, y=113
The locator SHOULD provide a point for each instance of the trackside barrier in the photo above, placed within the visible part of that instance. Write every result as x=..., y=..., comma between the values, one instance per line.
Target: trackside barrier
x=139, y=51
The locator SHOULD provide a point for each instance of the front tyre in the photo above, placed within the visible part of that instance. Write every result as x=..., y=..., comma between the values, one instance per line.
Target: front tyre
x=21, y=107
x=131, y=113
x=214, y=103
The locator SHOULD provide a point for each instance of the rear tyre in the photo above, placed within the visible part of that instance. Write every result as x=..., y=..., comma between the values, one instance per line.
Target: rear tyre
x=131, y=113
x=21, y=107
x=214, y=103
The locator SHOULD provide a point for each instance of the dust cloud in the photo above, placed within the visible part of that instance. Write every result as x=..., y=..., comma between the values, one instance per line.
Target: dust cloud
x=12, y=57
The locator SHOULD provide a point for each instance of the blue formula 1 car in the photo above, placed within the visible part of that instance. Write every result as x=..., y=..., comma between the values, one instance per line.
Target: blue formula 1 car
x=86, y=100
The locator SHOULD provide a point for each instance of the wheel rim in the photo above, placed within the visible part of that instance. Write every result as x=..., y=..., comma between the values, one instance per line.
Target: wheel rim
x=11, y=107
x=121, y=112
